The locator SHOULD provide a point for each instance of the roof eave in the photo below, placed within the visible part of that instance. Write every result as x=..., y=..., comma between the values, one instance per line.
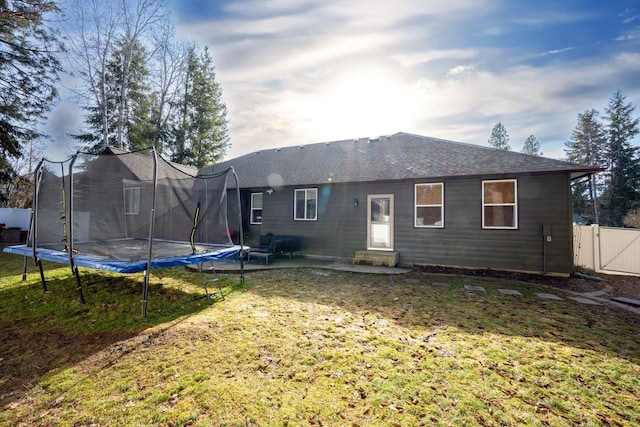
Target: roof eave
x=577, y=174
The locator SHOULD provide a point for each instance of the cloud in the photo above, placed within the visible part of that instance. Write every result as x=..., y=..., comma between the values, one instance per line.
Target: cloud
x=319, y=70
x=629, y=15
x=422, y=57
x=548, y=16
x=528, y=100
x=461, y=69
x=632, y=35
x=556, y=51
x=496, y=30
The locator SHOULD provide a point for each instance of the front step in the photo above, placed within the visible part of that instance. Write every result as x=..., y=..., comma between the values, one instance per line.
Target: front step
x=377, y=258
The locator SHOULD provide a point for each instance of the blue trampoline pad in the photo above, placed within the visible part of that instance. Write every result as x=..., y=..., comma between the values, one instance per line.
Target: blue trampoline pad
x=204, y=253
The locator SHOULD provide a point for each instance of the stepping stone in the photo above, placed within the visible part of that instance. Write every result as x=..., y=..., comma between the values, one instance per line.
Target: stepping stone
x=441, y=284
x=509, y=292
x=475, y=288
x=594, y=294
x=587, y=301
x=550, y=296
x=412, y=280
x=627, y=300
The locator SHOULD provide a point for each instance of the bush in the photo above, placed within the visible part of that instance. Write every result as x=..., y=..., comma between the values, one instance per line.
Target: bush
x=632, y=218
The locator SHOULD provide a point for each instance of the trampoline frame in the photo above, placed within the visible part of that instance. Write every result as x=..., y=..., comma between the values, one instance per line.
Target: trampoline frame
x=201, y=252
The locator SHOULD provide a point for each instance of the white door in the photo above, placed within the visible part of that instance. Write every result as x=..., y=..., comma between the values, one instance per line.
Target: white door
x=380, y=222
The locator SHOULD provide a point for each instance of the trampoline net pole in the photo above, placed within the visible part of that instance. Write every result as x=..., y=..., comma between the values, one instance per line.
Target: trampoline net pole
x=145, y=286
x=34, y=222
x=69, y=228
x=240, y=230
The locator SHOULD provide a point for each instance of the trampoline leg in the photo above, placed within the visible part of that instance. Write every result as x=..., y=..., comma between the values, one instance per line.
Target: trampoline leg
x=42, y=279
x=78, y=284
x=24, y=269
x=145, y=293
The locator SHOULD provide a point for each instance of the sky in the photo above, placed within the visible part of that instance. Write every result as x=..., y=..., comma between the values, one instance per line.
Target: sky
x=296, y=72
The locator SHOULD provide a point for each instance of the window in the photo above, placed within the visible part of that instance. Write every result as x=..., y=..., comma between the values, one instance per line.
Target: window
x=256, y=208
x=429, y=205
x=306, y=204
x=132, y=201
x=500, y=204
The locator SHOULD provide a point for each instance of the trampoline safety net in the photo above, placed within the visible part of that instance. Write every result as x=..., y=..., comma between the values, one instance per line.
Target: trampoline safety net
x=117, y=206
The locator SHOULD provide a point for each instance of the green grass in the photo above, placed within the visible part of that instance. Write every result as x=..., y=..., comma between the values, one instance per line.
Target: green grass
x=309, y=347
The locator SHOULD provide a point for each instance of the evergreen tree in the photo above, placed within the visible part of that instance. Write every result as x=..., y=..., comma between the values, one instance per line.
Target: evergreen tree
x=129, y=117
x=586, y=147
x=141, y=130
x=499, y=137
x=581, y=203
x=622, y=193
x=107, y=39
x=28, y=74
x=532, y=146
x=201, y=136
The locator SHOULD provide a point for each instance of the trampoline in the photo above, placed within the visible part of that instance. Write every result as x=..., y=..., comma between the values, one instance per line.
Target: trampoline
x=129, y=213
x=113, y=255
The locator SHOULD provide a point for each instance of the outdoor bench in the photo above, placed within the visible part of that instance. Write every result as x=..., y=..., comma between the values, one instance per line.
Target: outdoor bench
x=272, y=246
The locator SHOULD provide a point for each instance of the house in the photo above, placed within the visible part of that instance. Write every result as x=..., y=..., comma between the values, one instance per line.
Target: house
x=426, y=200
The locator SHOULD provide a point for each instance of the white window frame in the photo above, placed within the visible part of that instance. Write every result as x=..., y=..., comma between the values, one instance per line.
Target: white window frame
x=253, y=208
x=416, y=205
x=513, y=205
x=131, y=201
x=307, y=194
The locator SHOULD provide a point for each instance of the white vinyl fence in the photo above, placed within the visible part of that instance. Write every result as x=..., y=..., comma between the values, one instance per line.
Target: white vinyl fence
x=607, y=249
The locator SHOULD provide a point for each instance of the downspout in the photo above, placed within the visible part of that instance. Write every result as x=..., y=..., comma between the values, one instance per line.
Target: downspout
x=544, y=254
x=152, y=217
x=546, y=238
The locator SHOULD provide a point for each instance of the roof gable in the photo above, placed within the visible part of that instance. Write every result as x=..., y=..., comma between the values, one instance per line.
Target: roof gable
x=395, y=157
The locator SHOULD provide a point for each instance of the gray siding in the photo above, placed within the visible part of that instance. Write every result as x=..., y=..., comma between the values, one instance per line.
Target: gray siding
x=341, y=228
x=463, y=241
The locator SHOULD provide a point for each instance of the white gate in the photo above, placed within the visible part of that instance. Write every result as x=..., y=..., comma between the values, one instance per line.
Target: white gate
x=605, y=248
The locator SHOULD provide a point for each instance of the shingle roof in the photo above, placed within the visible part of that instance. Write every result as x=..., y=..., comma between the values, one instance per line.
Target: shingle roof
x=388, y=158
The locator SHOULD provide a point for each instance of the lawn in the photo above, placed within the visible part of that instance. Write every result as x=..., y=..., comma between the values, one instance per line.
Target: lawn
x=309, y=347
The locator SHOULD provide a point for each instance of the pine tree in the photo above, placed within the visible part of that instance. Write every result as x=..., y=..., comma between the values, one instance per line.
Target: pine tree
x=28, y=75
x=201, y=134
x=106, y=37
x=532, y=146
x=586, y=146
x=499, y=137
x=129, y=117
x=623, y=175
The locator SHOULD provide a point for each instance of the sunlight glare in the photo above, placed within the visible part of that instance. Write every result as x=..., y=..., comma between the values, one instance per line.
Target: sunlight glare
x=370, y=103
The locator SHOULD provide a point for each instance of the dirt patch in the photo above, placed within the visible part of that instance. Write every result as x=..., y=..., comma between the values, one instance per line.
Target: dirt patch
x=612, y=285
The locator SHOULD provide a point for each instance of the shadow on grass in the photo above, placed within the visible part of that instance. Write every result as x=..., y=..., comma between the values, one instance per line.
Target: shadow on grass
x=43, y=332
x=8, y=263
x=413, y=301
